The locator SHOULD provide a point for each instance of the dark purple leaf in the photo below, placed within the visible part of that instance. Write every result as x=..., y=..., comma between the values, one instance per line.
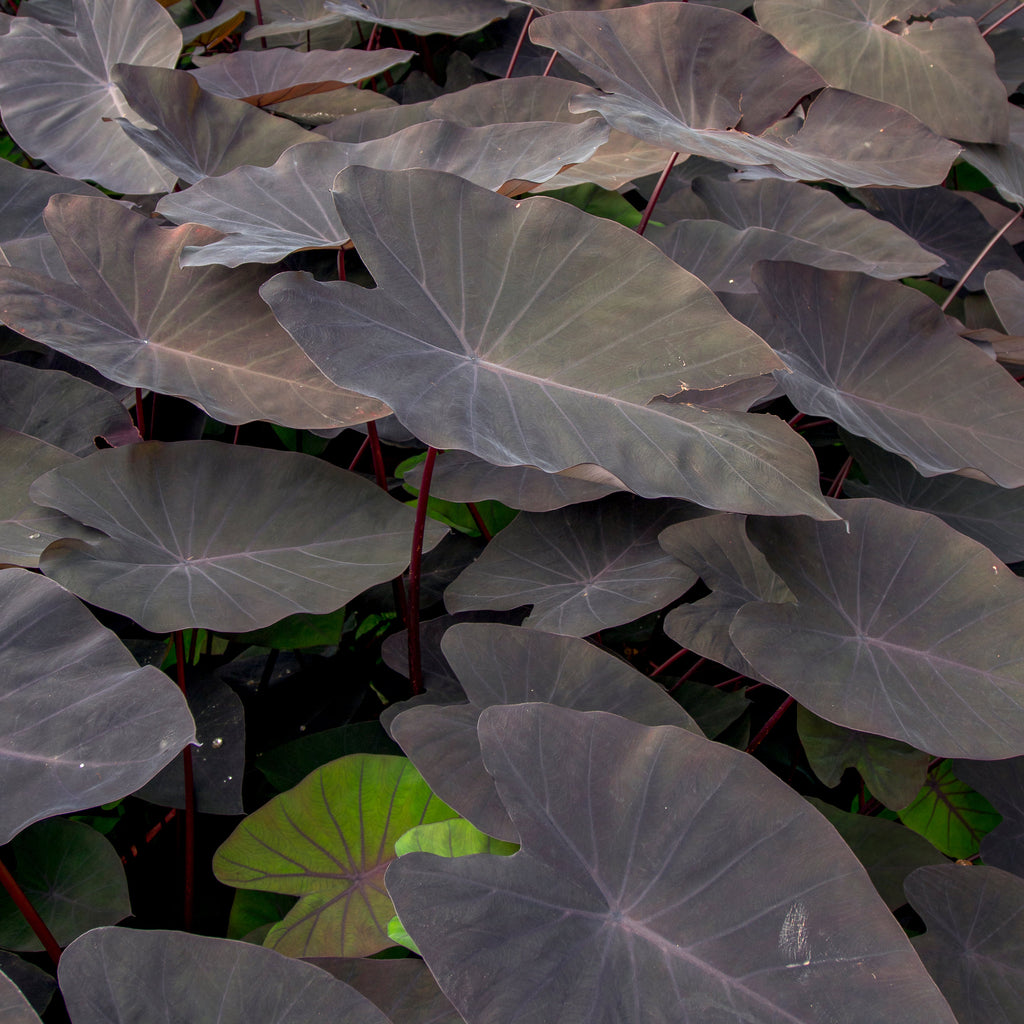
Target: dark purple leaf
x=63, y=410
x=941, y=71
x=405, y=990
x=461, y=477
x=484, y=353
x=876, y=357
x=56, y=89
x=908, y=625
x=424, y=17
x=631, y=890
x=202, y=334
x=716, y=548
x=24, y=195
x=267, y=213
x=1003, y=165
x=25, y=528
x=946, y=224
x=218, y=762
x=499, y=664
x=274, y=75
x=1006, y=292
x=36, y=985
x=111, y=976
x=203, y=534
x=1002, y=783
x=975, y=933
x=583, y=568
x=81, y=723
x=694, y=65
x=73, y=878
x=14, y=1007
x=888, y=850
x=195, y=133
x=993, y=516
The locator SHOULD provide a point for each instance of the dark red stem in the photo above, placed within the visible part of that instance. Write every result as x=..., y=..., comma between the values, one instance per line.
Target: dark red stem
x=729, y=682
x=190, y=795
x=379, y=473
x=479, y=520
x=992, y=241
x=341, y=264
x=671, y=661
x=769, y=725
x=686, y=675
x=259, y=21
x=519, y=42
x=550, y=64
x=372, y=42
x=36, y=923
x=140, y=416
x=359, y=454
x=837, y=484
x=415, y=566
x=1005, y=17
x=656, y=194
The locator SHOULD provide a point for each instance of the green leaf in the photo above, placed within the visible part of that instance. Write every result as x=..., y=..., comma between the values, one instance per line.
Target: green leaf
x=949, y=814
x=328, y=841
x=297, y=631
x=600, y=202
x=397, y=932
x=252, y=910
x=453, y=838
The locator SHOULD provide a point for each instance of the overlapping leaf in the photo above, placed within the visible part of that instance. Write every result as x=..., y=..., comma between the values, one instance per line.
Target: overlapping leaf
x=204, y=534
x=716, y=548
x=908, y=625
x=73, y=878
x=461, y=477
x=485, y=341
x=499, y=664
x=278, y=74
x=993, y=516
x=328, y=841
x=844, y=137
x=942, y=71
x=975, y=933
x=873, y=356
x=424, y=17
x=1002, y=783
x=81, y=723
x=56, y=89
x=635, y=888
x=203, y=334
x=14, y=1007
x=778, y=220
x=195, y=133
x=1003, y=164
x=110, y=975
x=267, y=213
x=583, y=568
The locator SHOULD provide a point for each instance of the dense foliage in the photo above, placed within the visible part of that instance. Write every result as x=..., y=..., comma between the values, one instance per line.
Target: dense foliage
x=524, y=518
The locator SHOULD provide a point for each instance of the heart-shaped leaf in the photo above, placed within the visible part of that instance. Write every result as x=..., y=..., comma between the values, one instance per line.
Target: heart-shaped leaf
x=635, y=887
x=1003, y=165
x=482, y=354
x=455, y=837
x=267, y=213
x=499, y=664
x=56, y=90
x=328, y=841
x=883, y=602
x=73, y=878
x=109, y=975
x=200, y=533
x=974, y=937
x=81, y=723
x=872, y=355
x=583, y=568
x=196, y=133
x=202, y=334
x=942, y=71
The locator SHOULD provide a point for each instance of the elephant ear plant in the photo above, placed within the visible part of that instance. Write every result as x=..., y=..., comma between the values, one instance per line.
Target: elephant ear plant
x=511, y=513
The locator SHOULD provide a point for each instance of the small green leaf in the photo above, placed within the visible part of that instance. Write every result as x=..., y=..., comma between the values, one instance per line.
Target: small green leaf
x=397, y=932
x=297, y=631
x=600, y=202
x=453, y=838
x=949, y=814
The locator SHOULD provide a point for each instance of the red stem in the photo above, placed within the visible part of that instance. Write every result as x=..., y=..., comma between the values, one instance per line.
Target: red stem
x=190, y=796
x=551, y=64
x=656, y=194
x=415, y=566
x=36, y=923
x=837, y=484
x=259, y=21
x=479, y=520
x=671, y=661
x=1005, y=17
x=729, y=682
x=140, y=417
x=379, y=473
x=769, y=725
x=359, y=454
x=686, y=675
x=372, y=43
x=519, y=42
x=992, y=241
